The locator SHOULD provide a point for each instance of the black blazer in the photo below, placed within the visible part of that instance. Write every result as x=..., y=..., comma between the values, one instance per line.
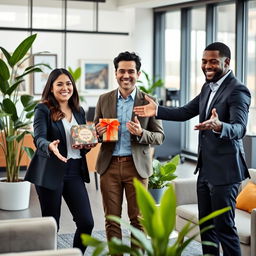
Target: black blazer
x=221, y=155
x=45, y=168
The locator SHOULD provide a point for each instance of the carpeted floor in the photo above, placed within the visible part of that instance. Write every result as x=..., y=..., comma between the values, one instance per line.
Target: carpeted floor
x=66, y=240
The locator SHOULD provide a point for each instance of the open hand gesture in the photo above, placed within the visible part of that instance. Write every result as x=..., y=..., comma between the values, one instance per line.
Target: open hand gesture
x=53, y=146
x=146, y=110
x=212, y=124
x=134, y=127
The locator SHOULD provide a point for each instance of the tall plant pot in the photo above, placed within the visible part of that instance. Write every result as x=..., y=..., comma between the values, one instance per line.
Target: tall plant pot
x=14, y=195
x=157, y=193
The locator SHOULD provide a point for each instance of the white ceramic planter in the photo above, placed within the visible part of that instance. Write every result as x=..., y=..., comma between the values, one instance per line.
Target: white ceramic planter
x=14, y=195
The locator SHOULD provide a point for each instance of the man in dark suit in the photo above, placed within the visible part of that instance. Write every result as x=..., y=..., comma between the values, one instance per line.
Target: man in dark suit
x=130, y=157
x=222, y=106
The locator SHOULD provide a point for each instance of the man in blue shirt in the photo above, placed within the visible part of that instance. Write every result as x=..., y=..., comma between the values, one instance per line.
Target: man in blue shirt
x=119, y=162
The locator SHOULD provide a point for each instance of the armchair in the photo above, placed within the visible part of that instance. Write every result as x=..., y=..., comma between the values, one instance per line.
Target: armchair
x=31, y=237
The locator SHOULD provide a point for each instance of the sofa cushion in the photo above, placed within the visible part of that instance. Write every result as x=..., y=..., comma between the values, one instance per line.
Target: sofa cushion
x=243, y=225
x=246, y=199
x=188, y=212
x=60, y=252
x=16, y=234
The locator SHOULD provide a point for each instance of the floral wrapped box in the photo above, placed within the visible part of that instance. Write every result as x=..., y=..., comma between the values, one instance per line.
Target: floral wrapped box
x=112, y=129
x=84, y=134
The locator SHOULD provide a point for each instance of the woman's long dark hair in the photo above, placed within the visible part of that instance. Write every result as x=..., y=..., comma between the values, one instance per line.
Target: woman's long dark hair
x=49, y=99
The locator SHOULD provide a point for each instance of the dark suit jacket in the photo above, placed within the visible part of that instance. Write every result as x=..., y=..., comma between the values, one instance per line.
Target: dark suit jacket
x=153, y=134
x=46, y=169
x=221, y=155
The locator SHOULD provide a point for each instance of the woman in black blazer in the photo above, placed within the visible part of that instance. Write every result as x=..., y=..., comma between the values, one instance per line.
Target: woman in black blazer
x=58, y=169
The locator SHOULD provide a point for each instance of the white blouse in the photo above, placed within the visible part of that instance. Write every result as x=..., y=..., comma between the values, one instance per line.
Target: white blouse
x=72, y=153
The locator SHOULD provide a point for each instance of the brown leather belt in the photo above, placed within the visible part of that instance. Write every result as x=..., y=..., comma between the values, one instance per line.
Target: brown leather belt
x=120, y=159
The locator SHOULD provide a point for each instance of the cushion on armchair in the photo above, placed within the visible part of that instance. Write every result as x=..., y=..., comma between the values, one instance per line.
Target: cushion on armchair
x=246, y=199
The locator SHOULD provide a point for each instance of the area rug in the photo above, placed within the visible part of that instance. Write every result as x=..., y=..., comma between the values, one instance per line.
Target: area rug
x=66, y=241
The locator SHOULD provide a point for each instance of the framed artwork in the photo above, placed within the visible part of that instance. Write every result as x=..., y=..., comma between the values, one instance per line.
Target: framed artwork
x=95, y=77
x=40, y=78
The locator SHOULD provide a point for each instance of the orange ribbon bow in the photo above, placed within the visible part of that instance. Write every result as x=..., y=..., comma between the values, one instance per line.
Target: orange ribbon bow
x=112, y=127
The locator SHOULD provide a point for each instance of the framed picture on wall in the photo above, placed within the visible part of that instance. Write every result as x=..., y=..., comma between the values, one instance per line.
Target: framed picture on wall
x=95, y=77
x=40, y=78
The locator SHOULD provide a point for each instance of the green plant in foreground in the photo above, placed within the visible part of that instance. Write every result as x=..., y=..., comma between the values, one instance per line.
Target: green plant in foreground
x=14, y=122
x=158, y=223
x=163, y=172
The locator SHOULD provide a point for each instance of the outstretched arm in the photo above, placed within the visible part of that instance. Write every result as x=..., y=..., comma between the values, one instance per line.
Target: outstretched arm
x=146, y=110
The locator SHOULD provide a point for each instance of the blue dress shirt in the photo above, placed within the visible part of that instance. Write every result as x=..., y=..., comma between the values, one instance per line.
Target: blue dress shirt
x=124, y=114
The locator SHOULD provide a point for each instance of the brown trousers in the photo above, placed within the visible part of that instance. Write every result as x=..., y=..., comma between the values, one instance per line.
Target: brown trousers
x=117, y=179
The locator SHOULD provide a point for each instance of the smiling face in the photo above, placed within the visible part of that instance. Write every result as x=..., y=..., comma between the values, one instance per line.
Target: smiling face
x=126, y=76
x=62, y=88
x=214, y=66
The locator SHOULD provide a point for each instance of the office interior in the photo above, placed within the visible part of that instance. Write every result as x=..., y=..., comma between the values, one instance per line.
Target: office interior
x=168, y=35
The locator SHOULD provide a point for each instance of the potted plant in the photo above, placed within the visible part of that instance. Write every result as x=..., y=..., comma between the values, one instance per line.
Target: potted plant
x=16, y=113
x=163, y=173
x=158, y=223
x=76, y=74
x=151, y=84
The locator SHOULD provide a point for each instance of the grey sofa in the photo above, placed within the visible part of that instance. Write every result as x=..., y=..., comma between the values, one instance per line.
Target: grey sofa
x=187, y=210
x=31, y=237
x=60, y=252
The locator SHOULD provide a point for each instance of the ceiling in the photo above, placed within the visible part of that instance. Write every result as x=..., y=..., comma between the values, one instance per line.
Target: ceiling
x=106, y=3
x=147, y=3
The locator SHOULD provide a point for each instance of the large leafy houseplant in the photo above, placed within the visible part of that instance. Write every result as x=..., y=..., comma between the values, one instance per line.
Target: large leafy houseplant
x=15, y=120
x=158, y=223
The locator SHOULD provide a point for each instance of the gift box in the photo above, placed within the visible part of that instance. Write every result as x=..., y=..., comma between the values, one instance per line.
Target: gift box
x=112, y=129
x=84, y=134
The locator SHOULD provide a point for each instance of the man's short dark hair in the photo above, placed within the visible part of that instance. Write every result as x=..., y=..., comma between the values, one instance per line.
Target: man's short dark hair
x=128, y=56
x=222, y=48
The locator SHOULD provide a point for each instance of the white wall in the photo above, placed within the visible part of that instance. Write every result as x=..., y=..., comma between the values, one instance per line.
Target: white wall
x=142, y=37
x=139, y=24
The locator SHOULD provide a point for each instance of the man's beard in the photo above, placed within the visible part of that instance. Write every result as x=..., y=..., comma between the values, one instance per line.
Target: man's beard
x=216, y=77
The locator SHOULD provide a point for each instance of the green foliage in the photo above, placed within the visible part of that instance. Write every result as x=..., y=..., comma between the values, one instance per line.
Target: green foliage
x=151, y=84
x=14, y=126
x=76, y=74
x=158, y=223
x=163, y=173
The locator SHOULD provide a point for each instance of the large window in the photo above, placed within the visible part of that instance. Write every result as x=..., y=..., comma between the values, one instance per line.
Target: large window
x=196, y=75
x=13, y=14
x=251, y=65
x=226, y=29
x=80, y=15
x=172, y=50
x=72, y=32
x=47, y=14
